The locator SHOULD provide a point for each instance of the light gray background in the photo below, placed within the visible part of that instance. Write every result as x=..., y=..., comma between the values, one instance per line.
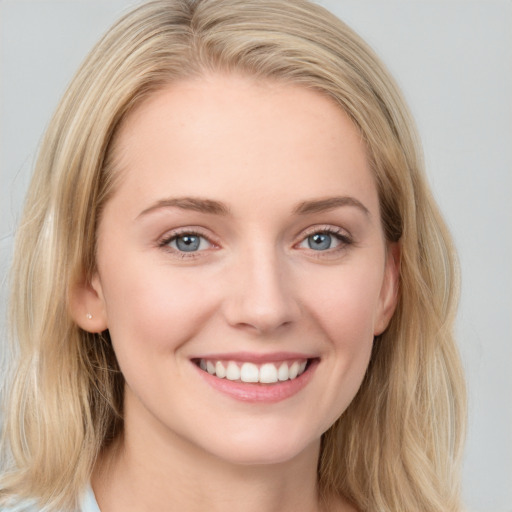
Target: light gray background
x=453, y=59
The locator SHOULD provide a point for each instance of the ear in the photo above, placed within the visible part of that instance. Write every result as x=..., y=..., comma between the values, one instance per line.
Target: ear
x=87, y=305
x=390, y=289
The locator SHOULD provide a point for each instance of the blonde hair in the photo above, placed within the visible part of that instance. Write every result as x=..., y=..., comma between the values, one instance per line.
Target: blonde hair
x=397, y=447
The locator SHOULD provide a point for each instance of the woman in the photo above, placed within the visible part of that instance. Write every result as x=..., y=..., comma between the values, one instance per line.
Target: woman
x=232, y=288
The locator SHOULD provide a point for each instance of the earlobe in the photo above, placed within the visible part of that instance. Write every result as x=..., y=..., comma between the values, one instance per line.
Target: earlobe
x=87, y=305
x=390, y=289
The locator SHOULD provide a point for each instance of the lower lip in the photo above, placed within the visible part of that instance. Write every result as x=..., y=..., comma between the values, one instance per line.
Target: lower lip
x=260, y=393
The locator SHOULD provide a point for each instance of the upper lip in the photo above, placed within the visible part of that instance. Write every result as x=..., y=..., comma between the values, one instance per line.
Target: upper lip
x=252, y=357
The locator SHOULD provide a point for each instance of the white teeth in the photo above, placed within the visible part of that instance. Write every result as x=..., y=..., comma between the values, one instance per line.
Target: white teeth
x=267, y=373
x=249, y=373
x=233, y=371
x=283, y=373
x=220, y=370
x=210, y=367
x=294, y=370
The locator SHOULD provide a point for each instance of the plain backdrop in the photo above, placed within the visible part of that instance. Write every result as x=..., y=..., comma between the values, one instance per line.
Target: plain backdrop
x=453, y=60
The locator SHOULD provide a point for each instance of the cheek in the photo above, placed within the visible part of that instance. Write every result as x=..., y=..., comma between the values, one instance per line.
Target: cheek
x=343, y=307
x=345, y=304
x=156, y=308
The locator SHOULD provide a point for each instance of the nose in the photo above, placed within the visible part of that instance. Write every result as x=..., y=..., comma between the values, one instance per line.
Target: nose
x=260, y=295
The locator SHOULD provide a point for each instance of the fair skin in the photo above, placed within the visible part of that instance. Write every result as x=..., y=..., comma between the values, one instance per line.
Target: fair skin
x=244, y=231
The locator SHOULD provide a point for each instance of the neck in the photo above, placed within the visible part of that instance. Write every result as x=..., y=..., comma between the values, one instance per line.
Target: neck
x=165, y=472
x=128, y=479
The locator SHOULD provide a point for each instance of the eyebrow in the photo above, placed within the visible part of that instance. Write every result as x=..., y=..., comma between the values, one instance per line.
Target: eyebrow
x=195, y=204
x=210, y=206
x=329, y=203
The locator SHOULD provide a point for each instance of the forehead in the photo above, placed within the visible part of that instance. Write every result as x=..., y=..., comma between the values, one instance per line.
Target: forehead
x=221, y=133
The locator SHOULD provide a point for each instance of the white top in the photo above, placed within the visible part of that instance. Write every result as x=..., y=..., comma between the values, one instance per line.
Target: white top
x=88, y=504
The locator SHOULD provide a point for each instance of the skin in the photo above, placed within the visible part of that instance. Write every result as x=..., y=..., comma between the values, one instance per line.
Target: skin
x=255, y=286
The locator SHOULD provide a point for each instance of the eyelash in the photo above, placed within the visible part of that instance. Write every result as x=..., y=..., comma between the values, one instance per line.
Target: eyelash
x=167, y=239
x=344, y=239
x=341, y=235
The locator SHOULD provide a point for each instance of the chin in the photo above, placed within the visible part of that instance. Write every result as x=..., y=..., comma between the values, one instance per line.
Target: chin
x=265, y=448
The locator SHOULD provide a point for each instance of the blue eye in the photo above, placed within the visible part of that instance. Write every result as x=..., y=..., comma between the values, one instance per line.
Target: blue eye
x=319, y=241
x=188, y=242
x=325, y=239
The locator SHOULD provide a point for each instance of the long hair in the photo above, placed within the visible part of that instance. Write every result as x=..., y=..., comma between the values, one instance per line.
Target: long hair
x=397, y=447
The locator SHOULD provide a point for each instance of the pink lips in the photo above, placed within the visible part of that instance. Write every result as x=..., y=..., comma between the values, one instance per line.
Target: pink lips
x=257, y=358
x=255, y=391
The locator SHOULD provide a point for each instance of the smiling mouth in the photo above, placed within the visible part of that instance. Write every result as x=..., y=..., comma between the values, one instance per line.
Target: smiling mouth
x=248, y=372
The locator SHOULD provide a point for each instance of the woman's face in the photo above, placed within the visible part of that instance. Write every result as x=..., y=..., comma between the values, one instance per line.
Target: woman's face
x=242, y=267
